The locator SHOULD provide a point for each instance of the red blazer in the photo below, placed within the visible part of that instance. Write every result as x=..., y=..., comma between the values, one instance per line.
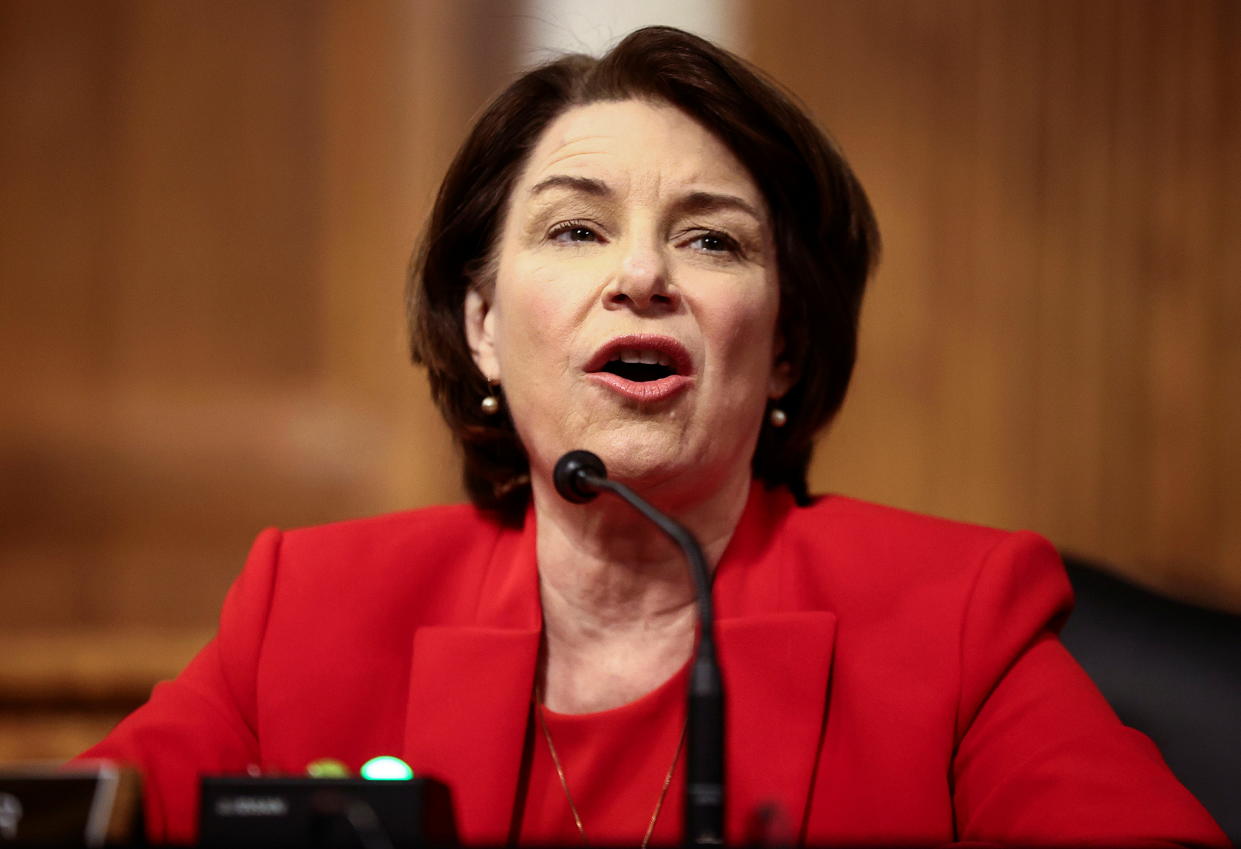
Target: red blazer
x=891, y=678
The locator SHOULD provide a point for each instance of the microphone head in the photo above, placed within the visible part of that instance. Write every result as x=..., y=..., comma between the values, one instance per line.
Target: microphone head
x=573, y=474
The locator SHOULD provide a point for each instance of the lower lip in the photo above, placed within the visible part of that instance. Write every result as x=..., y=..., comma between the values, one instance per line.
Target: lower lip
x=643, y=392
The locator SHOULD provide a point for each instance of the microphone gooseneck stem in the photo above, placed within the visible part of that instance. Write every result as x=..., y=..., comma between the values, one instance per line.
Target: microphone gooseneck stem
x=704, y=768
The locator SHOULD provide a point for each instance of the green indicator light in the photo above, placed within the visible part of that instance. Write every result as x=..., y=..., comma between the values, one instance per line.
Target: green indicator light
x=327, y=768
x=386, y=768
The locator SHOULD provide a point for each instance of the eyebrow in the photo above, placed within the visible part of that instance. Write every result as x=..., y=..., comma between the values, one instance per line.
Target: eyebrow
x=698, y=202
x=585, y=185
x=692, y=203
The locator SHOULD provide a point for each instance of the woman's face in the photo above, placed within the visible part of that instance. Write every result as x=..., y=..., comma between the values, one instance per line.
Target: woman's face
x=634, y=303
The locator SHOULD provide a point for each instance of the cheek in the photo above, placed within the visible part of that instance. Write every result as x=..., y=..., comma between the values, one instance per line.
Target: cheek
x=744, y=326
x=535, y=318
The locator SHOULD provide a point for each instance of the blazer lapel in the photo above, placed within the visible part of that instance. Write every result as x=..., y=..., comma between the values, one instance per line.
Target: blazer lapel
x=777, y=662
x=470, y=691
x=776, y=670
x=469, y=701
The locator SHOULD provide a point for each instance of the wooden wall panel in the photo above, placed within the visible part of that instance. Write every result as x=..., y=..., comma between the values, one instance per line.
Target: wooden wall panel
x=208, y=212
x=1051, y=340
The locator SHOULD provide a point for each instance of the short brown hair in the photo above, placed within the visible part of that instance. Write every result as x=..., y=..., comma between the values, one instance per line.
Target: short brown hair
x=826, y=240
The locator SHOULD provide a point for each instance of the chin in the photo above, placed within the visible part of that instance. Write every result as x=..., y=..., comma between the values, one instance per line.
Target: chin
x=640, y=457
x=664, y=469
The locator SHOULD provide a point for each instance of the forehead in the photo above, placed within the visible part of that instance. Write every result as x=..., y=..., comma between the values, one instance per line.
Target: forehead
x=633, y=145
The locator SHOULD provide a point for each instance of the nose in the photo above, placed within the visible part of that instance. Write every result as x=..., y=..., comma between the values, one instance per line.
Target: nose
x=641, y=282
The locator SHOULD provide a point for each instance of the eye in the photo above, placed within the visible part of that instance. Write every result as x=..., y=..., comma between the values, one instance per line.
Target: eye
x=715, y=242
x=573, y=231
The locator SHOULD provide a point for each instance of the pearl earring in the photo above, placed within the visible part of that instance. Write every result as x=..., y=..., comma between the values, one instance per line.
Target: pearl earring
x=777, y=417
x=490, y=405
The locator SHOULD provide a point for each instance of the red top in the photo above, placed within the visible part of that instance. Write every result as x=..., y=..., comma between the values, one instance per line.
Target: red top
x=890, y=679
x=635, y=743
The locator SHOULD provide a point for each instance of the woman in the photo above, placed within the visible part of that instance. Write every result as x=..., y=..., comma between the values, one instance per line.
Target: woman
x=657, y=257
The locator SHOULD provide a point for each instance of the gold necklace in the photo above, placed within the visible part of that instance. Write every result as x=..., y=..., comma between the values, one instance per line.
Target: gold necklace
x=564, y=784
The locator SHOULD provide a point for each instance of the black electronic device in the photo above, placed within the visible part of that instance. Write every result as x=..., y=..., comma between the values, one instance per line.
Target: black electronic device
x=276, y=812
x=88, y=803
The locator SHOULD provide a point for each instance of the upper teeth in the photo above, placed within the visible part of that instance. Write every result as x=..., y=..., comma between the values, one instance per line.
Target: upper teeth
x=633, y=355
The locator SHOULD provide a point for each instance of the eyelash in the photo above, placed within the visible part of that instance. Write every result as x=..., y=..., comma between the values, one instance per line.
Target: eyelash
x=568, y=227
x=729, y=245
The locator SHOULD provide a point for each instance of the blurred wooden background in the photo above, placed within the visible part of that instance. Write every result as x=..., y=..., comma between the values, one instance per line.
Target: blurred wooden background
x=208, y=209
x=1052, y=341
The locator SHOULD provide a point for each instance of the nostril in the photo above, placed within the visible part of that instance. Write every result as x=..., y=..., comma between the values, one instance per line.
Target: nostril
x=640, y=298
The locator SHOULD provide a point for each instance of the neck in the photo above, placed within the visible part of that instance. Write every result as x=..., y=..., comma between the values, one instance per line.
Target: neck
x=618, y=600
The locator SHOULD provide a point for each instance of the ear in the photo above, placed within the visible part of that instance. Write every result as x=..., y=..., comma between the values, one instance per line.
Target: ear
x=783, y=375
x=480, y=333
x=782, y=379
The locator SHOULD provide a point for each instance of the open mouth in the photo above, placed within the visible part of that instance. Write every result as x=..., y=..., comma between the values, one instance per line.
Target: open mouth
x=642, y=367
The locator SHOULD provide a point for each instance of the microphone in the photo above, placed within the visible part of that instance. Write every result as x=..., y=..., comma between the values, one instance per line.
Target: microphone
x=579, y=477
